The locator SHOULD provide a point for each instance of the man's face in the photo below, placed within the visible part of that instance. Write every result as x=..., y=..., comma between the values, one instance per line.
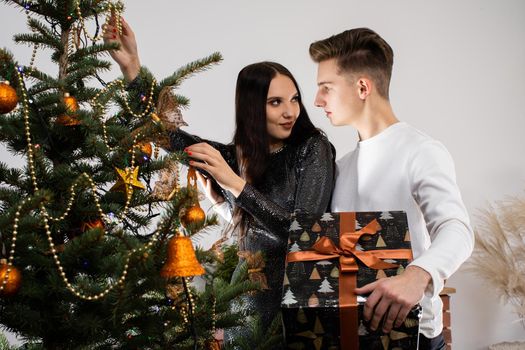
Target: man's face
x=337, y=94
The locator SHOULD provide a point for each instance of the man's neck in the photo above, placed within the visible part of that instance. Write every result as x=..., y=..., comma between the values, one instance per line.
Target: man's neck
x=376, y=117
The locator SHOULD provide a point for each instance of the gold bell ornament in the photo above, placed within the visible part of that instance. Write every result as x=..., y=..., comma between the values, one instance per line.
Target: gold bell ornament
x=181, y=261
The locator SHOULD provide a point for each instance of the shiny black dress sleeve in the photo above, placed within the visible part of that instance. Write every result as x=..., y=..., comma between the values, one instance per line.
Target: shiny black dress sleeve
x=180, y=139
x=314, y=167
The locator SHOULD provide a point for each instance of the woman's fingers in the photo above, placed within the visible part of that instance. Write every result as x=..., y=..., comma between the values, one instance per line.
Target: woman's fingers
x=205, y=153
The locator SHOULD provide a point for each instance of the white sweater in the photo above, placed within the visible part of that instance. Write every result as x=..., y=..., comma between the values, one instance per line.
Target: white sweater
x=403, y=169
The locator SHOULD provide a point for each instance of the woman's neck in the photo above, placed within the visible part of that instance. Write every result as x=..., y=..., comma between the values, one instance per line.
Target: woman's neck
x=276, y=146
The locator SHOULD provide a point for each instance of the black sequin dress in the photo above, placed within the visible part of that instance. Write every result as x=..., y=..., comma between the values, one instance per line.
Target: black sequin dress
x=300, y=178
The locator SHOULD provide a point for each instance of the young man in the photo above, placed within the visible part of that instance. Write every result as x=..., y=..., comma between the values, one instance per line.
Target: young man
x=394, y=167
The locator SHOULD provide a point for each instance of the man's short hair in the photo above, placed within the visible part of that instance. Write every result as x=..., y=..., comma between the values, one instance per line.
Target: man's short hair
x=358, y=51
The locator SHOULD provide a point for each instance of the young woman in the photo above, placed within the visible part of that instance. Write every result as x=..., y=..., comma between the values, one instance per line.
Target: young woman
x=278, y=163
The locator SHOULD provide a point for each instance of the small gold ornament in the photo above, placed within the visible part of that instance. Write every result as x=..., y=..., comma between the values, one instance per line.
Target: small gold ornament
x=143, y=150
x=168, y=184
x=155, y=118
x=192, y=216
x=72, y=107
x=174, y=291
x=181, y=261
x=8, y=97
x=13, y=282
x=169, y=112
x=256, y=265
x=127, y=180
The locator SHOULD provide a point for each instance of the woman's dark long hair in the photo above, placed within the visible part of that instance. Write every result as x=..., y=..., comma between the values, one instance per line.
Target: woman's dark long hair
x=251, y=136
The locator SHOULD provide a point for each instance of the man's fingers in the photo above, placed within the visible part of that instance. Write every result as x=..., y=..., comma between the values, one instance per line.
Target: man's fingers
x=402, y=315
x=370, y=305
x=379, y=311
x=392, y=315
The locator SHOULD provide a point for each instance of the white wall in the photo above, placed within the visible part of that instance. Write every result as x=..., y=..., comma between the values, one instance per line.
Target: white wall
x=459, y=76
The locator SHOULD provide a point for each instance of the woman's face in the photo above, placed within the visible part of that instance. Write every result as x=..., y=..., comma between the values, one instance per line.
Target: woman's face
x=282, y=109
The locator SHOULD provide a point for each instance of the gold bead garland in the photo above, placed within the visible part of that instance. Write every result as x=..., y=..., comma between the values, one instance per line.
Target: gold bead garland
x=115, y=8
x=97, y=106
x=213, y=314
x=46, y=217
x=35, y=46
x=120, y=83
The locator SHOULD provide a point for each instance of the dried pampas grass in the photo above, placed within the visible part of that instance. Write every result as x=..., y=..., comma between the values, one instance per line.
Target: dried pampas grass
x=499, y=253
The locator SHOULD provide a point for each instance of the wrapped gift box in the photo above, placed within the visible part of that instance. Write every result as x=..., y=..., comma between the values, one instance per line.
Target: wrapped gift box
x=331, y=255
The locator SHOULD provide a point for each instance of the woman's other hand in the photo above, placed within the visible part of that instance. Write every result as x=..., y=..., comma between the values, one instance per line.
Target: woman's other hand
x=212, y=195
x=210, y=160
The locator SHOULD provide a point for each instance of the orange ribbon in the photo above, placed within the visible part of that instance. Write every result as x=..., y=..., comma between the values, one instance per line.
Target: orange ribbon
x=347, y=253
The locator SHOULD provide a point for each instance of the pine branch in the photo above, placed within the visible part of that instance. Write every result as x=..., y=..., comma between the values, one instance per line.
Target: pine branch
x=40, y=39
x=90, y=62
x=93, y=50
x=44, y=7
x=190, y=69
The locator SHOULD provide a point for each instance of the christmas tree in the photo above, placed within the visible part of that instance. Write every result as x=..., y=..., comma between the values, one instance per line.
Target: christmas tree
x=85, y=225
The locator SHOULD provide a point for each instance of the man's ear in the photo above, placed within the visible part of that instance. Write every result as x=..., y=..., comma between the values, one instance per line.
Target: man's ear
x=364, y=86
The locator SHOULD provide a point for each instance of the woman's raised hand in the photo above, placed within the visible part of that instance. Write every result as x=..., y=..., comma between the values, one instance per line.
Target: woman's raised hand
x=127, y=55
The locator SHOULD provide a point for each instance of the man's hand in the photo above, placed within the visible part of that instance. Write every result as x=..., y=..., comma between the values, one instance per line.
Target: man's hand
x=394, y=297
x=127, y=55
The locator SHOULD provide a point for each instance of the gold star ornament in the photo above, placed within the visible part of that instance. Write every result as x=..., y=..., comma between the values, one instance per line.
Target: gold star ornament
x=127, y=180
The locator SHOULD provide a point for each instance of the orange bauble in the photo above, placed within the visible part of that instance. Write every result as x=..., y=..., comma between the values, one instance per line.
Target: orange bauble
x=72, y=106
x=146, y=148
x=8, y=97
x=70, y=102
x=192, y=216
x=91, y=225
x=143, y=152
x=14, y=279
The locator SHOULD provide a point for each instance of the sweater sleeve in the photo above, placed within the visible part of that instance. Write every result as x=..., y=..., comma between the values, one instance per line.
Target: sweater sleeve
x=312, y=195
x=434, y=188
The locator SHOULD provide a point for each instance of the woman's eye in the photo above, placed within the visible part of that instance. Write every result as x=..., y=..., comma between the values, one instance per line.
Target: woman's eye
x=275, y=102
x=295, y=99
